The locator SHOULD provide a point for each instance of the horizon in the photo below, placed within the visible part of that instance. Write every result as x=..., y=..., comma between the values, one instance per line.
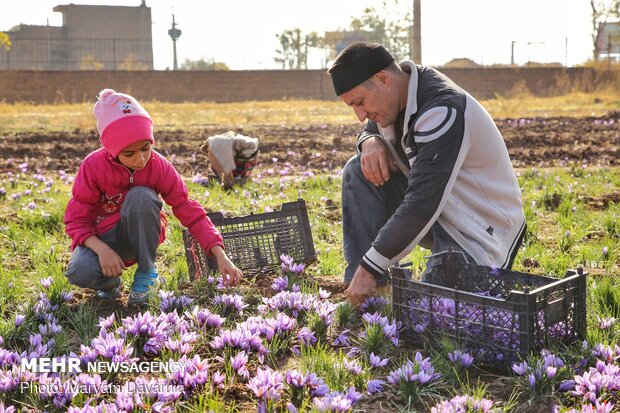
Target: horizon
x=558, y=32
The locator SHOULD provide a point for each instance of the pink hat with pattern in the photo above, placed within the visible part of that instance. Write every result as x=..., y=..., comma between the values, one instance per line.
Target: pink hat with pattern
x=121, y=121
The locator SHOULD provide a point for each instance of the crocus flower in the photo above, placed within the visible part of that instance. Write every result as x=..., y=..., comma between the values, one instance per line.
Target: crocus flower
x=342, y=339
x=266, y=385
x=376, y=361
x=465, y=403
x=239, y=364
x=375, y=386
x=280, y=284
x=19, y=320
x=46, y=282
x=461, y=358
x=605, y=323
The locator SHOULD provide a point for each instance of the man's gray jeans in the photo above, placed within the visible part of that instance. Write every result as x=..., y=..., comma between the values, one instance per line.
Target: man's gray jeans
x=365, y=210
x=135, y=237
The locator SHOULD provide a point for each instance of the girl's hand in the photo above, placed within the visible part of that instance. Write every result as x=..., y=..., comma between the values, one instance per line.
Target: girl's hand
x=111, y=263
x=231, y=275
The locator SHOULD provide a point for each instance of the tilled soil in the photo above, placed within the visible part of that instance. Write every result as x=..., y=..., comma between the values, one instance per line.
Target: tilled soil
x=531, y=142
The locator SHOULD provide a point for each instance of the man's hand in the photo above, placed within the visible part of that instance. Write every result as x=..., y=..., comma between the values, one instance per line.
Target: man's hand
x=231, y=275
x=363, y=285
x=375, y=161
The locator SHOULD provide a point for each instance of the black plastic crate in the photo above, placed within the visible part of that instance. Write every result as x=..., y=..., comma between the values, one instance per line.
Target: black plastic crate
x=499, y=315
x=255, y=242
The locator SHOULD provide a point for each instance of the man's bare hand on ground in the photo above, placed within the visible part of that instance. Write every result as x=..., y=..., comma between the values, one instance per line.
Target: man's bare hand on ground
x=363, y=285
x=375, y=161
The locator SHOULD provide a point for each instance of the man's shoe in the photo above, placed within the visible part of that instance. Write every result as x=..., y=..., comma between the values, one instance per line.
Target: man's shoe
x=111, y=294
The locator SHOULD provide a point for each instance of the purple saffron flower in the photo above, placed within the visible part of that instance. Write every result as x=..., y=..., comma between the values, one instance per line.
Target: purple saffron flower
x=286, y=261
x=461, y=358
x=374, y=304
x=464, y=403
x=606, y=322
x=375, y=386
x=352, y=366
x=296, y=379
x=46, y=282
x=203, y=319
x=108, y=322
x=218, y=379
x=377, y=361
x=239, y=364
x=230, y=303
x=342, y=339
x=419, y=371
x=66, y=295
x=520, y=368
x=324, y=295
x=171, y=303
x=306, y=336
x=266, y=385
x=567, y=385
x=280, y=284
x=337, y=402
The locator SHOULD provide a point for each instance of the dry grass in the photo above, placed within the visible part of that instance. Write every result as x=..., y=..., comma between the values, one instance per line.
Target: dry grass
x=21, y=116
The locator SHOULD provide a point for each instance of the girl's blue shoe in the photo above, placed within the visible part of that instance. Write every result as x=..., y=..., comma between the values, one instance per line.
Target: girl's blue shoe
x=142, y=282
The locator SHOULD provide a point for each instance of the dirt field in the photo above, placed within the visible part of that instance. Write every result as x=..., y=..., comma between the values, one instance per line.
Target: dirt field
x=531, y=142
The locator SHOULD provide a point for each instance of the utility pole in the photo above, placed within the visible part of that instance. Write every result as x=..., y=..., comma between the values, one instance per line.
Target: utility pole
x=417, y=32
x=174, y=34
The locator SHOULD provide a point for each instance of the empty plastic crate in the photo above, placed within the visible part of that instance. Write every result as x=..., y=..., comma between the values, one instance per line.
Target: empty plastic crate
x=255, y=242
x=499, y=315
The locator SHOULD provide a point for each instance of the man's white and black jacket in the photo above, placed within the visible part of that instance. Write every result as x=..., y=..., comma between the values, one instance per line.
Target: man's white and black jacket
x=460, y=176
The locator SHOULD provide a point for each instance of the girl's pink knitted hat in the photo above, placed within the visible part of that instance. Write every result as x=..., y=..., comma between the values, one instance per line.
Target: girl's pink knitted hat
x=121, y=121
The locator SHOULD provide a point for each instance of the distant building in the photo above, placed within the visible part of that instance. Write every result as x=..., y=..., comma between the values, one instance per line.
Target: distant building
x=90, y=38
x=608, y=41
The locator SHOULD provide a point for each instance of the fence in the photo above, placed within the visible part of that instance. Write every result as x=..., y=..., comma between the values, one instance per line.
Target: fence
x=77, y=54
x=237, y=86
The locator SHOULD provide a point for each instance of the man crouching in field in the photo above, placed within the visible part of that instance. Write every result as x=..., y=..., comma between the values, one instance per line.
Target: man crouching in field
x=431, y=168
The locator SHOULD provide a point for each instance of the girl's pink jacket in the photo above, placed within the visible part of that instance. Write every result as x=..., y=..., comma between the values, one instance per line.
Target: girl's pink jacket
x=102, y=183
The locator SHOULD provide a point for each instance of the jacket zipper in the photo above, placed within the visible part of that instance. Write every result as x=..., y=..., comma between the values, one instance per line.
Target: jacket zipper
x=130, y=175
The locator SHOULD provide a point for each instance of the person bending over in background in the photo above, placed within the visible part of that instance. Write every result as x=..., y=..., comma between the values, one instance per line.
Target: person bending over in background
x=431, y=168
x=115, y=216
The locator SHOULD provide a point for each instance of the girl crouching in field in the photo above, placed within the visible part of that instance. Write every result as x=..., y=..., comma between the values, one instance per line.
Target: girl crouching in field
x=114, y=218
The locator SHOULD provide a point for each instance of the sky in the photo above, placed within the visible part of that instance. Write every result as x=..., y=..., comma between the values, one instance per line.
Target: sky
x=242, y=33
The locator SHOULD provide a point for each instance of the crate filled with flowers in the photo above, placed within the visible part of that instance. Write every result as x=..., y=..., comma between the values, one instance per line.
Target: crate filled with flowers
x=498, y=314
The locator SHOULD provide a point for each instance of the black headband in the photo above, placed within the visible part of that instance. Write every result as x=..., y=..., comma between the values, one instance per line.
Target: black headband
x=346, y=75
